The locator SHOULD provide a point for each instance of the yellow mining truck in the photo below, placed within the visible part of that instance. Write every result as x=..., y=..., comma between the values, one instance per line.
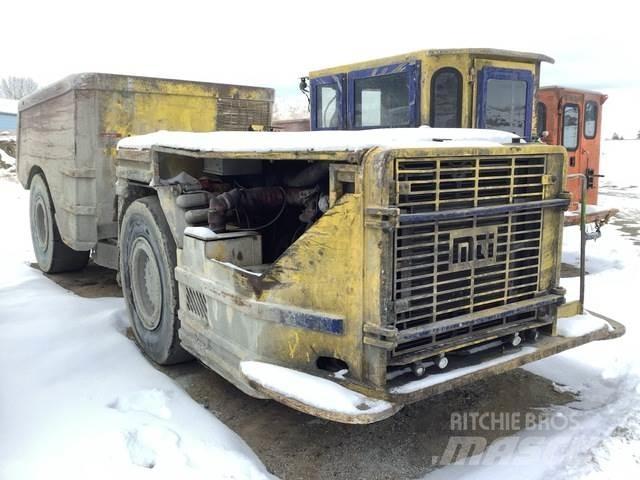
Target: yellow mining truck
x=347, y=274
x=344, y=273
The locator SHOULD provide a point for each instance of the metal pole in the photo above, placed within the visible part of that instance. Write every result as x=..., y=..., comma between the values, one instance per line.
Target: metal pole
x=583, y=232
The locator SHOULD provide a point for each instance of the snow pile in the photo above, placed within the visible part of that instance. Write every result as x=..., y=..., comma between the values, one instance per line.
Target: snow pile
x=7, y=164
x=311, y=390
x=580, y=325
x=78, y=399
x=320, y=141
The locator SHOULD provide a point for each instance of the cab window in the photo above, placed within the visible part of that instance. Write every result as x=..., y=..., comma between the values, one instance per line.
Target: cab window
x=382, y=101
x=327, y=103
x=326, y=110
x=590, y=119
x=506, y=104
x=570, y=122
x=383, y=97
x=505, y=100
x=446, y=99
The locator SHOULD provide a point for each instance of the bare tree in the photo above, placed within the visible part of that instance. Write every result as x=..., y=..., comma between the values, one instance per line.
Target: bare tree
x=17, y=87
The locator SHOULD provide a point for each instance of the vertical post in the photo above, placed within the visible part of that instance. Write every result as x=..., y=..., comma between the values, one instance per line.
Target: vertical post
x=583, y=232
x=583, y=238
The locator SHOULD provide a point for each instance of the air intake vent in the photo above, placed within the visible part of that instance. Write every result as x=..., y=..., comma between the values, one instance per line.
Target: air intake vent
x=196, y=303
x=240, y=114
x=427, y=185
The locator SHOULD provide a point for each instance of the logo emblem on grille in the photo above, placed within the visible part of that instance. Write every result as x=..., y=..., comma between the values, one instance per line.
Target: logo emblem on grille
x=472, y=247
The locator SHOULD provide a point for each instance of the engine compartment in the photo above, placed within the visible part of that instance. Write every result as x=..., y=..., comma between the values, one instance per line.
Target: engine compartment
x=279, y=200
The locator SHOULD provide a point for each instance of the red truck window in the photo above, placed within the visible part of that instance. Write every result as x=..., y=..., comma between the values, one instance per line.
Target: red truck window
x=590, y=119
x=570, y=122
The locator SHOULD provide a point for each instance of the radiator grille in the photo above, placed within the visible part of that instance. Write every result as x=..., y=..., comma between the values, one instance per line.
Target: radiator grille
x=426, y=185
x=463, y=264
x=240, y=114
x=196, y=303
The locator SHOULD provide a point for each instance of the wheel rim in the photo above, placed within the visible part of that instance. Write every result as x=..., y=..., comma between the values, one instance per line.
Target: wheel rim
x=146, y=285
x=41, y=224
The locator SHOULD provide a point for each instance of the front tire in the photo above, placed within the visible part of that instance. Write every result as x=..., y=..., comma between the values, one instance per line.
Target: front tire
x=147, y=264
x=52, y=254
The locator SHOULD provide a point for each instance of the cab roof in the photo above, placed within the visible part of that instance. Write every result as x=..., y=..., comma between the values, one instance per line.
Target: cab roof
x=570, y=90
x=489, y=53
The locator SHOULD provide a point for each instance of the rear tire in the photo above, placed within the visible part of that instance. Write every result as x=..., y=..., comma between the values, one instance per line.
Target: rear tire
x=52, y=254
x=147, y=265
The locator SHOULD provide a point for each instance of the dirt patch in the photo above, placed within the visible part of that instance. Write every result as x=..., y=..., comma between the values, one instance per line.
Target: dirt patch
x=294, y=445
x=569, y=271
x=93, y=281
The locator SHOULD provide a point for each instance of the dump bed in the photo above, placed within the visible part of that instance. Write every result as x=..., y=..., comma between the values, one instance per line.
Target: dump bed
x=70, y=129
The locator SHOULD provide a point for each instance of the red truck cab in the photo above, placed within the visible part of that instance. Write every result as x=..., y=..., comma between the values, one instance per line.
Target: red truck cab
x=572, y=118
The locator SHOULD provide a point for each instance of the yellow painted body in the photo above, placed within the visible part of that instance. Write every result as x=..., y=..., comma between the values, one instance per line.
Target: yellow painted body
x=340, y=268
x=468, y=62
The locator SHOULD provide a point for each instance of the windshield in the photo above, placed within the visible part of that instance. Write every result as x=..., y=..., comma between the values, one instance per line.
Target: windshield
x=506, y=105
x=382, y=101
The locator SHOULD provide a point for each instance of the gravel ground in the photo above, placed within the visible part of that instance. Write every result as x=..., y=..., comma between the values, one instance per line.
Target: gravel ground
x=294, y=445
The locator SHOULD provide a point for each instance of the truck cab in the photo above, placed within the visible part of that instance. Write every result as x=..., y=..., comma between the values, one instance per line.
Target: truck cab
x=453, y=88
x=571, y=118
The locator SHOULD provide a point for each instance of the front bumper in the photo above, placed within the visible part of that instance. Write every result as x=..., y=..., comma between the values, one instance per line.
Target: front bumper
x=368, y=406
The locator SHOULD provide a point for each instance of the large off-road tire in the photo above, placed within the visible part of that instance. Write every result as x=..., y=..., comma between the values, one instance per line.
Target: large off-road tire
x=147, y=263
x=52, y=254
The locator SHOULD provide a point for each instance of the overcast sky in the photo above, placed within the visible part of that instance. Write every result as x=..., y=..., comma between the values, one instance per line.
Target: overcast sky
x=273, y=43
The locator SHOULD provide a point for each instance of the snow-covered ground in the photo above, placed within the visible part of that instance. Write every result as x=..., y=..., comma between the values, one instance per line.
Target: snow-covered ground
x=7, y=164
x=77, y=399
x=600, y=435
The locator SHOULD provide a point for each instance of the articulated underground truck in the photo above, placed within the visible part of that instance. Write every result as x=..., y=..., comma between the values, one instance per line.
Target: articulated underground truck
x=344, y=274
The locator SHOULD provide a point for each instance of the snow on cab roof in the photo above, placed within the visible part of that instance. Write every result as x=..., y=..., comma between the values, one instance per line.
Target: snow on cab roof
x=320, y=141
